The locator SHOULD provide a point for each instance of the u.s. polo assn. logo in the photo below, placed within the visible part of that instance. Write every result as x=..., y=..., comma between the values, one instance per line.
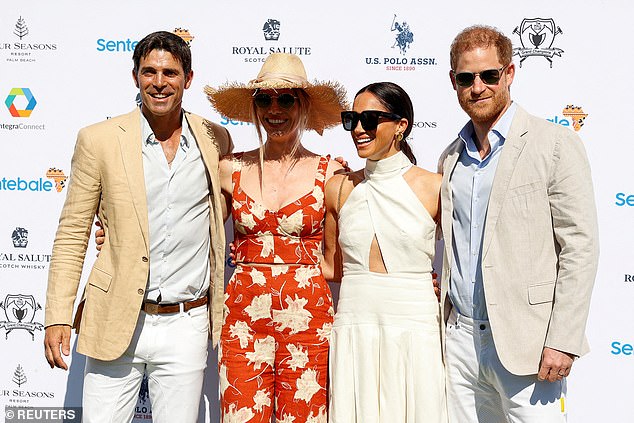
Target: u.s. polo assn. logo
x=404, y=36
x=20, y=310
x=537, y=36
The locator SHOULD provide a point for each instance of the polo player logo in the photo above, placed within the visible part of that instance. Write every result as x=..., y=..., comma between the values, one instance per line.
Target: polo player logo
x=404, y=36
x=537, y=36
x=20, y=238
x=20, y=310
x=271, y=30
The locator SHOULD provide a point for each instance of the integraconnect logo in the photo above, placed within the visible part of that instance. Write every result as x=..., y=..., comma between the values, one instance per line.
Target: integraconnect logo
x=24, y=50
x=10, y=102
x=572, y=116
x=258, y=52
x=16, y=394
x=404, y=61
x=19, y=311
x=56, y=176
x=537, y=36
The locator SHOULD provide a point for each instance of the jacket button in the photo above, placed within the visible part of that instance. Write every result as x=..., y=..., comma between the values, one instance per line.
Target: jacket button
x=144, y=259
x=140, y=291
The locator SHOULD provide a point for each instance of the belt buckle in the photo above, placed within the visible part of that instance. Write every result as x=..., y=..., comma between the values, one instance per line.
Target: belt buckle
x=151, y=308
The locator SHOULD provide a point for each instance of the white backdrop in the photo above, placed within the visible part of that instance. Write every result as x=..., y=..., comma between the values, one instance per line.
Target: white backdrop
x=67, y=64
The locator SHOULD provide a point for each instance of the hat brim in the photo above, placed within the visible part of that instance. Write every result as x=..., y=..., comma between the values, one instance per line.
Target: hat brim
x=327, y=100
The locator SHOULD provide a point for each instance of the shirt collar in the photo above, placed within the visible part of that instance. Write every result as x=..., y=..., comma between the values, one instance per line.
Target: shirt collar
x=497, y=134
x=149, y=139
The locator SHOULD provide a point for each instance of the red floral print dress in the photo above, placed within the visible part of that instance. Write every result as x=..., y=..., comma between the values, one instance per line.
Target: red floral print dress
x=278, y=311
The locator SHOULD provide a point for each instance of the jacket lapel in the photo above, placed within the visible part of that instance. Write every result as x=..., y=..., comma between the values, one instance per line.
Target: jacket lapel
x=446, y=196
x=130, y=144
x=513, y=146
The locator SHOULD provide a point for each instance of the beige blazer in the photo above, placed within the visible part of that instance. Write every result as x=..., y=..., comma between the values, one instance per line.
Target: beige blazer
x=107, y=179
x=540, y=247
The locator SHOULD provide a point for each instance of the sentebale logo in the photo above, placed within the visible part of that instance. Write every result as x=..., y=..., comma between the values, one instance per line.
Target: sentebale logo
x=18, y=92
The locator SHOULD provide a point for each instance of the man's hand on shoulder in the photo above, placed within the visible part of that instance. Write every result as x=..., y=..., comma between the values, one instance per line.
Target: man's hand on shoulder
x=555, y=365
x=54, y=337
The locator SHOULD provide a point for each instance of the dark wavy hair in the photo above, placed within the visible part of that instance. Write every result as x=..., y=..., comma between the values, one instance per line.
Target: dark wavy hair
x=395, y=100
x=166, y=41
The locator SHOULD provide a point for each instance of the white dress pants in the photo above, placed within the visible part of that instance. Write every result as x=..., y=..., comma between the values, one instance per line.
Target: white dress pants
x=481, y=390
x=172, y=350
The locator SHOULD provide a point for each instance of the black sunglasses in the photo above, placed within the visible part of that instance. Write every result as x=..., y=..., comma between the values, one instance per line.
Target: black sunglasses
x=369, y=119
x=489, y=77
x=264, y=101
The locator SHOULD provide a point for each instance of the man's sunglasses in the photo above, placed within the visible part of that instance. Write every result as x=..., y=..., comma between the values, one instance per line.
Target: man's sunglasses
x=489, y=77
x=369, y=119
x=264, y=101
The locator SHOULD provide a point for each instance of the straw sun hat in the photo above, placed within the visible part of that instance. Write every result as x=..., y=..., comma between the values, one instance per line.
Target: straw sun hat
x=282, y=70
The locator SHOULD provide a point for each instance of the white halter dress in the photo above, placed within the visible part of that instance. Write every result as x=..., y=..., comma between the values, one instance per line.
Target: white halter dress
x=385, y=353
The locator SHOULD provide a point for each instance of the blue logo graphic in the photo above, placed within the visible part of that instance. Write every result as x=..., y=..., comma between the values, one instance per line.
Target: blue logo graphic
x=622, y=348
x=404, y=36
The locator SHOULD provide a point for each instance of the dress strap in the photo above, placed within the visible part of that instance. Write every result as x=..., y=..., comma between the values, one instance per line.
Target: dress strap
x=320, y=177
x=236, y=172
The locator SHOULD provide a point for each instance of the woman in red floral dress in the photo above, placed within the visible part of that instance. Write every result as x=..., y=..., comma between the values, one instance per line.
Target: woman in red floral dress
x=273, y=355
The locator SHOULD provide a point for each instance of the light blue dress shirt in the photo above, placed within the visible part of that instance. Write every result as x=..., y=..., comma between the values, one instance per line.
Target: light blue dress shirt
x=471, y=183
x=178, y=215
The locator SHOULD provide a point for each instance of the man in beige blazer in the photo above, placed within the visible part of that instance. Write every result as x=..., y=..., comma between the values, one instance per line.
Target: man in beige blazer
x=151, y=176
x=521, y=246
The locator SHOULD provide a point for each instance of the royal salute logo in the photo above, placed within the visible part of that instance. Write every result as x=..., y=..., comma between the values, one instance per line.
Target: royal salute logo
x=537, y=36
x=24, y=48
x=184, y=34
x=406, y=58
x=22, y=256
x=573, y=116
x=259, y=52
x=271, y=30
x=20, y=238
x=20, y=311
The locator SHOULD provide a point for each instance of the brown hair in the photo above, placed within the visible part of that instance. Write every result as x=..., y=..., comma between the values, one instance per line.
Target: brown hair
x=481, y=36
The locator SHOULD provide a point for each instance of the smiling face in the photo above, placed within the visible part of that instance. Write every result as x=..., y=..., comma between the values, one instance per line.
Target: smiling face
x=161, y=81
x=381, y=142
x=279, y=122
x=483, y=103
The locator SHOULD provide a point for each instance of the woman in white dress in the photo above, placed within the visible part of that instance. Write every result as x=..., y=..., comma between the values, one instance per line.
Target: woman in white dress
x=385, y=351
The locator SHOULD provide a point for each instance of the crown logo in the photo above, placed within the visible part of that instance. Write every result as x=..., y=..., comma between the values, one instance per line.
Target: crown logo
x=184, y=34
x=20, y=238
x=271, y=30
x=57, y=175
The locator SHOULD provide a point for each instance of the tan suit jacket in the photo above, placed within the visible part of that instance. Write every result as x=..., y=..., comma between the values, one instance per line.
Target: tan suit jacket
x=107, y=178
x=540, y=247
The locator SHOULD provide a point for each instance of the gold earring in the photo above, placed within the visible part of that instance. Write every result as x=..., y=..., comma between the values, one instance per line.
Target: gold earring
x=399, y=136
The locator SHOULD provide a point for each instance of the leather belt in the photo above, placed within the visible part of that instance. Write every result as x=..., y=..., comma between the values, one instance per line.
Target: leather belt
x=151, y=307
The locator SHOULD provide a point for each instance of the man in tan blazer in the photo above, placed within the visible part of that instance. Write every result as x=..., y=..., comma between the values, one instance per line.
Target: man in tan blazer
x=151, y=176
x=521, y=246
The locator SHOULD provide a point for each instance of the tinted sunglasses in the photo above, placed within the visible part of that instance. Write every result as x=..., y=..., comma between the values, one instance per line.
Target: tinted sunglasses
x=489, y=77
x=264, y=101
x=369, y=119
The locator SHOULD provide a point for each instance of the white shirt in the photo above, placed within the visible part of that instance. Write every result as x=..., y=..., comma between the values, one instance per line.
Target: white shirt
x=178, y=216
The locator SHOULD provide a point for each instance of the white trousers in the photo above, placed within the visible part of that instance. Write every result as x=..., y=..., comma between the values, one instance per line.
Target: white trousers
x=481, y=390
x=172, y=350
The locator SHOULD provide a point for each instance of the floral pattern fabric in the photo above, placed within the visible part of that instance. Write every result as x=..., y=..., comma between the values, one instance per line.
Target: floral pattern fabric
x=278, y=315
